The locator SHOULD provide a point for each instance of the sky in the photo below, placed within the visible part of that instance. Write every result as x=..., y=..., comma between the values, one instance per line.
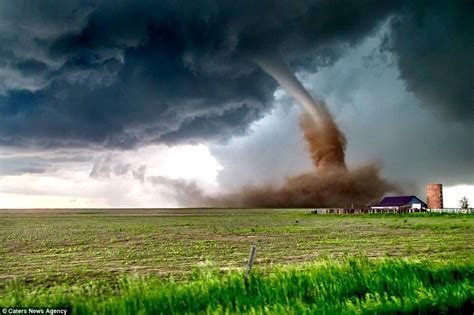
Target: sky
x=112, y=104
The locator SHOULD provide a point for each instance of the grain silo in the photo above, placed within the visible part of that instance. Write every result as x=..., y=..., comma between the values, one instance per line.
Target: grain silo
x=434, y=196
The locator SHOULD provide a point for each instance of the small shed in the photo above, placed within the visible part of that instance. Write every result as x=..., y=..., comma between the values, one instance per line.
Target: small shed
x=399, y=204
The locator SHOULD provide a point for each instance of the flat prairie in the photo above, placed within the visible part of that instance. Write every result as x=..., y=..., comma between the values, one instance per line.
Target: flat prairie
x=67, y=246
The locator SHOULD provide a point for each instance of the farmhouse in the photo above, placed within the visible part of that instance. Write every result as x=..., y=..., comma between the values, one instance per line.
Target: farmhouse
x=399, y=204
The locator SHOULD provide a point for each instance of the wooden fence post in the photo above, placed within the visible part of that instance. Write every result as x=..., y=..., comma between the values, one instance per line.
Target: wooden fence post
x=253, y=251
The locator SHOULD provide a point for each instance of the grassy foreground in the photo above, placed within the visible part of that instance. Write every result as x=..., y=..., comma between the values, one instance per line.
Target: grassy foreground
x=352, y=286
x=50, y=247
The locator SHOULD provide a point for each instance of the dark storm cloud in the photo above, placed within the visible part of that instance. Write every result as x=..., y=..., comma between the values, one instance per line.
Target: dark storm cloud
x=435, y=48
x=122, y=73
x=31, y=67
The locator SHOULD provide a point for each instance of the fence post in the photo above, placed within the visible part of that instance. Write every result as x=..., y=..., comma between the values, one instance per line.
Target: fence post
x=253, y=251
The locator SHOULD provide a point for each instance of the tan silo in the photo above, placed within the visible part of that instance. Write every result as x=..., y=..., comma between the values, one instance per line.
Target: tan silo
x=434, y=196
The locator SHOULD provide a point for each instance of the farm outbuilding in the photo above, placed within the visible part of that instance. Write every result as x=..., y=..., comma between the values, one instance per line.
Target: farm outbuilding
x=399, y=204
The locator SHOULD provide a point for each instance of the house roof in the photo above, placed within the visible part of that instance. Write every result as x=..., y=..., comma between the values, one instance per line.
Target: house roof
x=394, y=201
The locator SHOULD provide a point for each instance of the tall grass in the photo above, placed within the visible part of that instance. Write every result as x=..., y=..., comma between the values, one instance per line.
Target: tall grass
x=352, y=287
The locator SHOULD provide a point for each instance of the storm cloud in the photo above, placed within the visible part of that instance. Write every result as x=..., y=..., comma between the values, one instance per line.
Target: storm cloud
x=434, y=48
x=122, y=74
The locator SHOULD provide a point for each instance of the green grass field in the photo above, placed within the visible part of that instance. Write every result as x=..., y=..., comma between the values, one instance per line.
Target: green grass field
x=187, y=259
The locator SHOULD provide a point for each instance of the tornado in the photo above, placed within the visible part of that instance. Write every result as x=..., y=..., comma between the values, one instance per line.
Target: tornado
x=332, y=184
x=326, y=142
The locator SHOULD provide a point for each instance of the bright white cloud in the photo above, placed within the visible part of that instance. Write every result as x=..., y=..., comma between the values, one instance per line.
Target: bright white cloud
x=70, y=185
x=193, y=162
x=452, y=195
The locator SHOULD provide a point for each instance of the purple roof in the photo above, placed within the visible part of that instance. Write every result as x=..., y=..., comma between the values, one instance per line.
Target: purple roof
x=394, y=201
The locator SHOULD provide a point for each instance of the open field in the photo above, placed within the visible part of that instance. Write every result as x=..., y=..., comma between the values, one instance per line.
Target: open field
x=78, y=250
x=68, y=245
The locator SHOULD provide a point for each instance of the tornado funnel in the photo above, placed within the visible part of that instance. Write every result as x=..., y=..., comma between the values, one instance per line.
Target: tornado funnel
x=326, y=142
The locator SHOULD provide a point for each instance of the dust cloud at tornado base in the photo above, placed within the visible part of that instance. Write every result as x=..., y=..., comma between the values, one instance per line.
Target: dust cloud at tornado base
x=329, y=185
